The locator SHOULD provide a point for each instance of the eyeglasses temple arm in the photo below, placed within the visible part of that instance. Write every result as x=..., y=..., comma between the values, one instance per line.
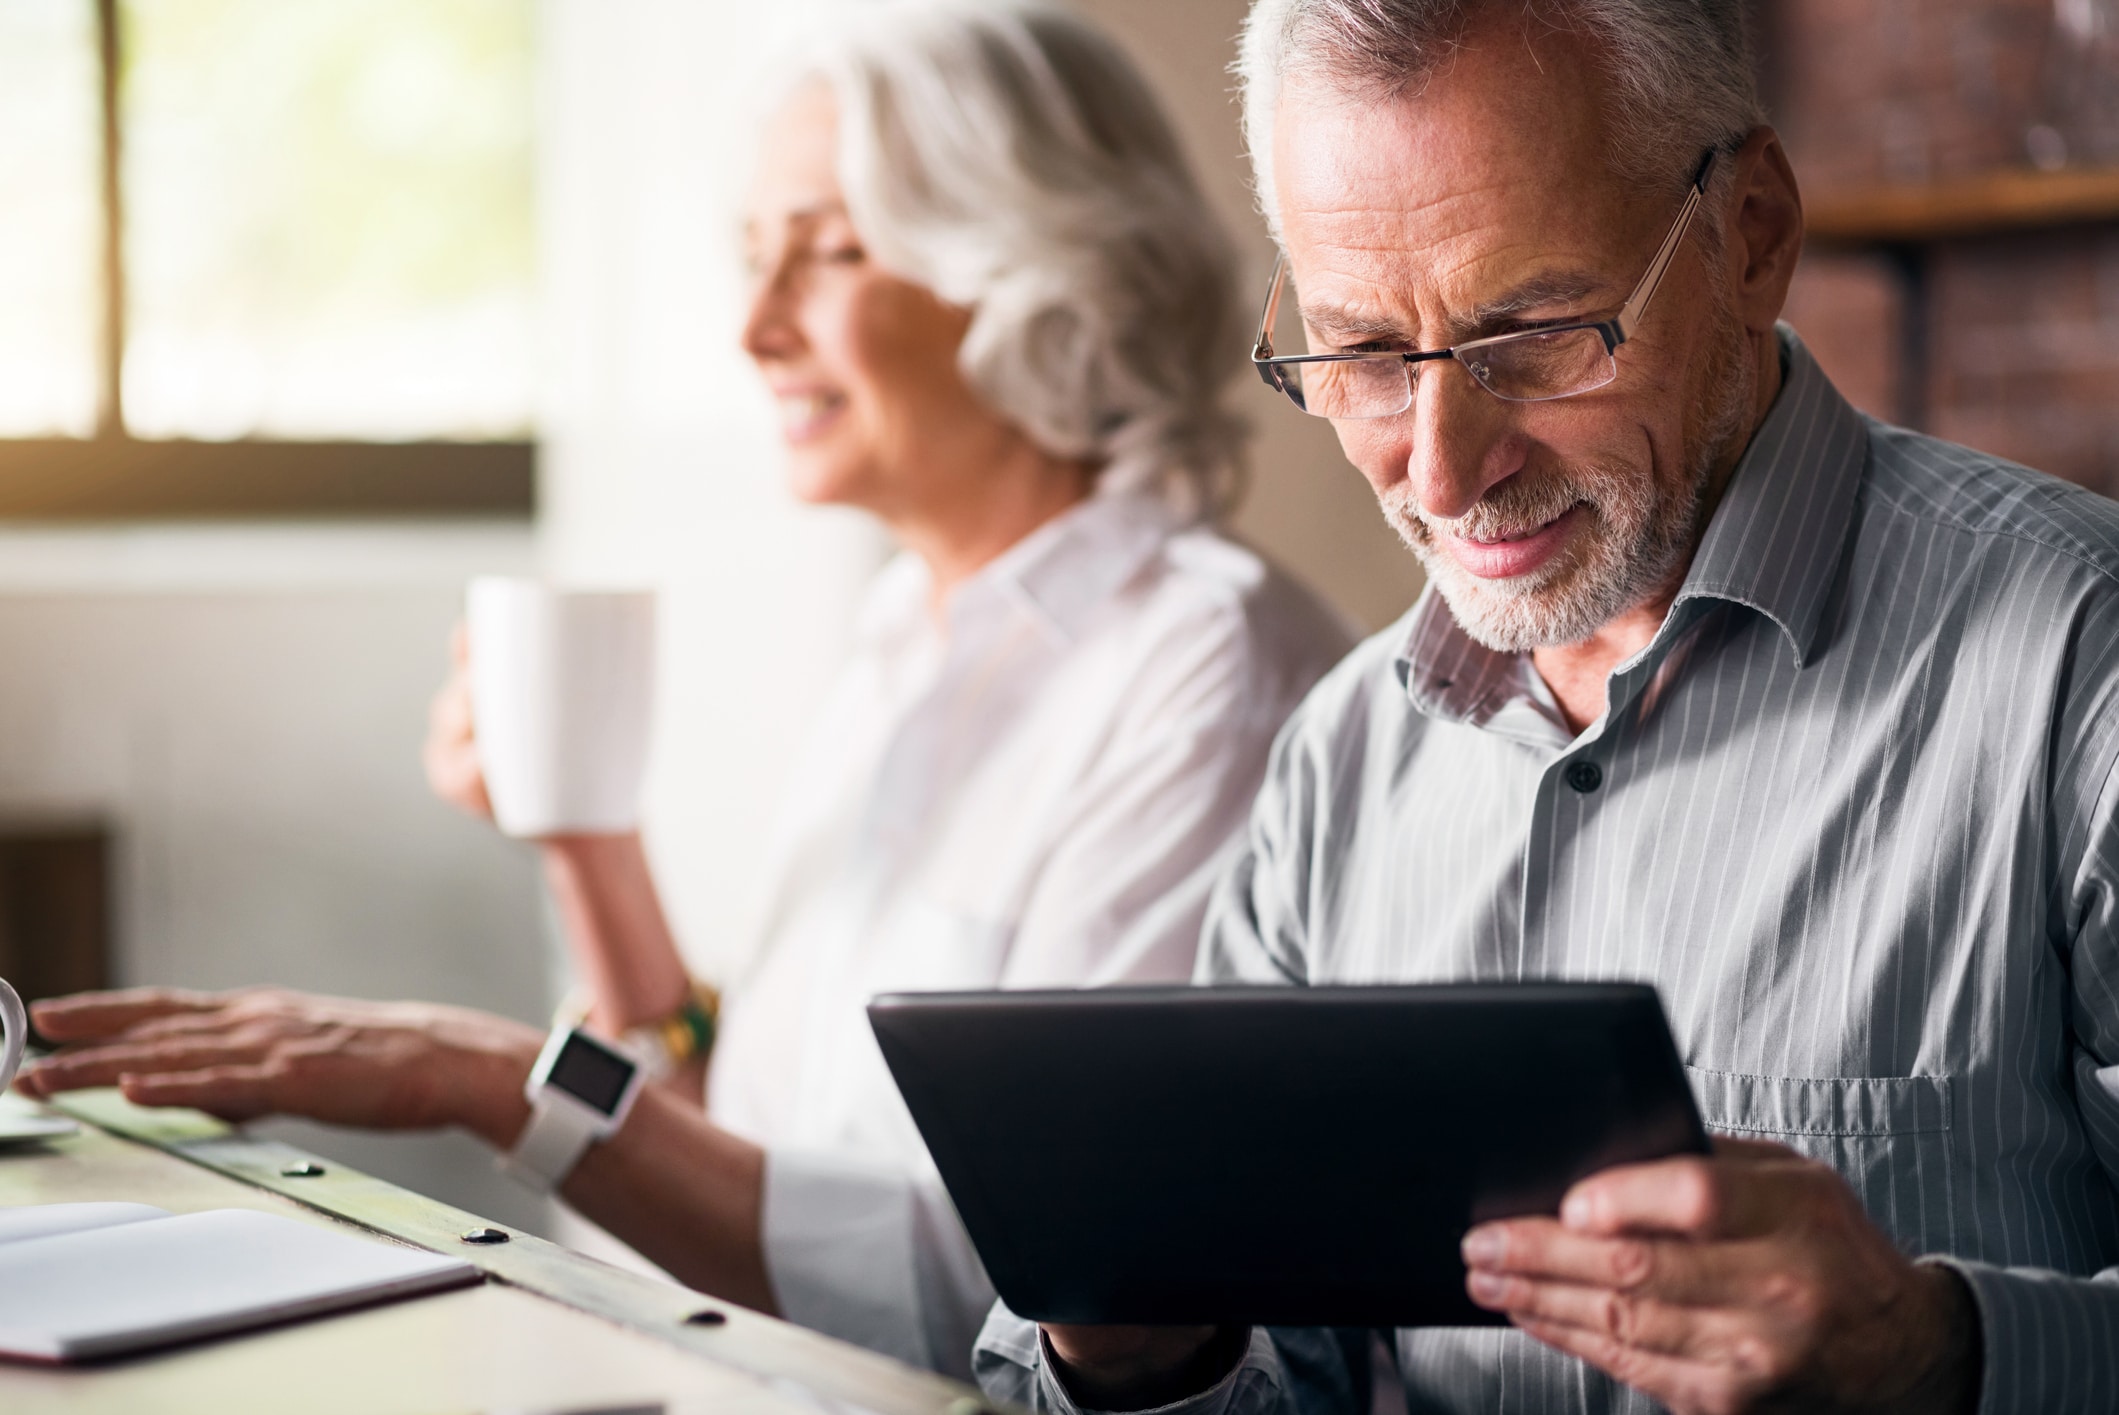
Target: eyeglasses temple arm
x=1262, y=346
x=1637, y=303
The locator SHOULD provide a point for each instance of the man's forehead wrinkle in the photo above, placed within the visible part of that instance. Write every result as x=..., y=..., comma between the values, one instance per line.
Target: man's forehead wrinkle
x=1446, y=298
x=1545, y=288
x=1355, y=320
x=1472, y=196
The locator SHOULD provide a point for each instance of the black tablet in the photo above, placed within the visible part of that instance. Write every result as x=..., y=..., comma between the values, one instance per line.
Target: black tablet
x=1283, y=1156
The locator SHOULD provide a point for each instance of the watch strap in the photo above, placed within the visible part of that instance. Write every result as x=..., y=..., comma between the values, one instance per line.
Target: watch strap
x=663, y=1046
x=559, y=1133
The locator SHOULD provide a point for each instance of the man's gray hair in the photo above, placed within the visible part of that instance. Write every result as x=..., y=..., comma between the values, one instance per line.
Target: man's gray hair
x=1009, y=157
x=1681, y=70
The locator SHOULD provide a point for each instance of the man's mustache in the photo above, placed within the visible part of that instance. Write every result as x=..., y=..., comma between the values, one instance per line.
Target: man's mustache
x=1512, y=508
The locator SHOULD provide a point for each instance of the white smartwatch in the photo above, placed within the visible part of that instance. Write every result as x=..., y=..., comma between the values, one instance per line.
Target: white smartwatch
x=580, y=1092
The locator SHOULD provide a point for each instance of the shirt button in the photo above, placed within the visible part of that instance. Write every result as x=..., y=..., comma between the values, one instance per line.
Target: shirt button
x=1585, y=777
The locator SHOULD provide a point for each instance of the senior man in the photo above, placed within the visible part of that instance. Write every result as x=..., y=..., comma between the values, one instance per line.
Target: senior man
x=1810, y=720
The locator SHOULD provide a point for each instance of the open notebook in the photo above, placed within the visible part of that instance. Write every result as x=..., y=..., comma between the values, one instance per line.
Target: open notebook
x=81, y=1281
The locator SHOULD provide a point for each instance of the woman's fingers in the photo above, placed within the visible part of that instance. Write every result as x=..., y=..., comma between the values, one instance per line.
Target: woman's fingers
x=105, y=1065
x=176, y=1025
x=268, y=1051
x=233, y=1092
x=90, y=1016
x=450, y=754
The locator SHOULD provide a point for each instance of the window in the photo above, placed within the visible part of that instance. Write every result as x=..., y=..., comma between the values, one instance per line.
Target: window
x=265, y=258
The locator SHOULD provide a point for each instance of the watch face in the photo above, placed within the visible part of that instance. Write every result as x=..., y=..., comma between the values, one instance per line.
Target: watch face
x=591, y=1074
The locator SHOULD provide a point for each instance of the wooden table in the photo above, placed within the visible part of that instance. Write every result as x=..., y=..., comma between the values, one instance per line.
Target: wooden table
x=549, y=1331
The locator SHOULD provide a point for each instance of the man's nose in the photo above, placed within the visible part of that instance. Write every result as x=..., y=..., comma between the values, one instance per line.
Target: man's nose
x=1460, y=441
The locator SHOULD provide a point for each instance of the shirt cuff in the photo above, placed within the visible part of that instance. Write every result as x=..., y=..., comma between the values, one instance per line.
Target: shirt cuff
x=838, y=1240
x=2049, y=1341
x=1013, y=1363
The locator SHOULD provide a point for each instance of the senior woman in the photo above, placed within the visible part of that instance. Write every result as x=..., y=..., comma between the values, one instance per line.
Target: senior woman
x=995, y=313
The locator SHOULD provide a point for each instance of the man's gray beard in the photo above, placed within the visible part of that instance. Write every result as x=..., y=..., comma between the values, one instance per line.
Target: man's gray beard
x=1638, y=533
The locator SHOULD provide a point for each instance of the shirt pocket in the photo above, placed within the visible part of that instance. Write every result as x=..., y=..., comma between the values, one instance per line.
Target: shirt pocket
x=1889, y=1136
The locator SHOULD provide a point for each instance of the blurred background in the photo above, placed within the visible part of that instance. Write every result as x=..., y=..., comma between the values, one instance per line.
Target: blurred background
x=308, y=312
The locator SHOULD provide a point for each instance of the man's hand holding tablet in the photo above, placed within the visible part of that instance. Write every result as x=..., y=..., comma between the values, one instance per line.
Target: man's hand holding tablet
x=1672, y=1275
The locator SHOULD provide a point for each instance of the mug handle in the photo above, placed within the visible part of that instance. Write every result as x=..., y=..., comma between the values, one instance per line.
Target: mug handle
x=16, y=1022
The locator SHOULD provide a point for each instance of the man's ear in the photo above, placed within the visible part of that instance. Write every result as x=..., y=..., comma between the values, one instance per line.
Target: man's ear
x=1765, y=230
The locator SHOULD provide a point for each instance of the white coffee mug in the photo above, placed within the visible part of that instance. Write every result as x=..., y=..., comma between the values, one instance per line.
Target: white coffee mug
x=562, y=694
x=16, y=1023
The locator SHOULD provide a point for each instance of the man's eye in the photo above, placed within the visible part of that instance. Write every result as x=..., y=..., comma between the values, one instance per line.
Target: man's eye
x=842, y=255
x=1377, y=346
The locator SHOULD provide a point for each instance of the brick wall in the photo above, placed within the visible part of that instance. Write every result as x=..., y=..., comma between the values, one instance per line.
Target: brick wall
x=2021, y=349
x=1870, y=91
x=1850, y=310
x=2026, y=350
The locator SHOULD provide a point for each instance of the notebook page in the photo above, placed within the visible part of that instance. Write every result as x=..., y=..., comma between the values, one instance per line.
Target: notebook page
x=44, y=1220
x=107, y=1291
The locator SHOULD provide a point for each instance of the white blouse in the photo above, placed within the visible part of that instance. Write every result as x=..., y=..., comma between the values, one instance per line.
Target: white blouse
x=1036, y=794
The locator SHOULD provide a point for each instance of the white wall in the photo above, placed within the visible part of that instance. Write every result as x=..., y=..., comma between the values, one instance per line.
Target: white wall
x=244, y=707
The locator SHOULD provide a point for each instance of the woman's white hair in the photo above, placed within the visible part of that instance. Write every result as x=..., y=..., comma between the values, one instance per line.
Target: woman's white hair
x=1681, y=70
x=1009, y=157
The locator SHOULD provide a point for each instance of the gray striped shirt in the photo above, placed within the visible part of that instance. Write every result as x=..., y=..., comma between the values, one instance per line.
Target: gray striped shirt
x=1852, y=811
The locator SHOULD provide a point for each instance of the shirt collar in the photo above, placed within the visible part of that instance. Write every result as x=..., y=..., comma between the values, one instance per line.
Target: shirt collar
x=1775, y=543
x=1056, y=577
x=1777, y=539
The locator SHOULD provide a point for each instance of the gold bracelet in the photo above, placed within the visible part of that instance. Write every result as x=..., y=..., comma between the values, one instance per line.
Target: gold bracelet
x=662, y=1045
x=689, y=1032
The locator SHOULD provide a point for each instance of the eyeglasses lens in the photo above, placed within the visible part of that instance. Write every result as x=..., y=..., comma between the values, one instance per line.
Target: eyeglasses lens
x=1369, y=388
x=1365, y=388
x=1529, y=368
x=1521, y=368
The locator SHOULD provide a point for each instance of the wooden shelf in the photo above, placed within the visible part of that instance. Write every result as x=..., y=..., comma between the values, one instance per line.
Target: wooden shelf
x=122, y=479
x=1969, y=206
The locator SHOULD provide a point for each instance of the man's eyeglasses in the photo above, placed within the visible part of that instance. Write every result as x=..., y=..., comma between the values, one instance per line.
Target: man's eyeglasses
x=1527, y=367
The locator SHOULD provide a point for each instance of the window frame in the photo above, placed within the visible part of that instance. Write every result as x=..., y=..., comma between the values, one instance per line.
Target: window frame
x=112, y=475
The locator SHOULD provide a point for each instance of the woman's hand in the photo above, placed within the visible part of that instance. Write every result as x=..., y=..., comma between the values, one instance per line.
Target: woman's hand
x=621, y=944
x=265, y=1051
x=451, y=751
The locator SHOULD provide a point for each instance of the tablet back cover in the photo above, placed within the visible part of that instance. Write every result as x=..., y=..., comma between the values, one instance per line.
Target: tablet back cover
x=1279, y=1156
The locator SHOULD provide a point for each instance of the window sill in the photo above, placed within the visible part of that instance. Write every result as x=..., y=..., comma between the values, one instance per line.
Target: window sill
x=124, y=479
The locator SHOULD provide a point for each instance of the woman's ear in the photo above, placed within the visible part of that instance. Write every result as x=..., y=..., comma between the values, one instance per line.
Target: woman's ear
x=1765, y=230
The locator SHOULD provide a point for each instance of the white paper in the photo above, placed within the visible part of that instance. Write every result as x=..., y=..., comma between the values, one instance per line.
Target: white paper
x=48, y=1220
x=107, y=1291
